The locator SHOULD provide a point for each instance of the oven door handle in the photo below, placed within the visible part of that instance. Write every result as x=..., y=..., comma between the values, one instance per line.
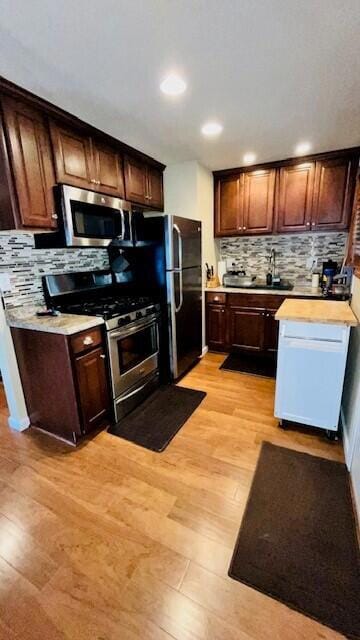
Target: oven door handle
x=123, y=334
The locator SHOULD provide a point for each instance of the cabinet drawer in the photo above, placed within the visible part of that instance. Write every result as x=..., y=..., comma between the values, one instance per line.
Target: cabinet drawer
x=215, y=298
x=255, y=300
x=86, y=340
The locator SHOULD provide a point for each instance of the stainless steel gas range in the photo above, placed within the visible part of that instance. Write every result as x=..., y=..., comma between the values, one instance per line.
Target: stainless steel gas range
x=132, y=331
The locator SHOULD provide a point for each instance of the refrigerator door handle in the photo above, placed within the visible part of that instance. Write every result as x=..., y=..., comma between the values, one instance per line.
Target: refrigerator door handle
x=178, y=307
x=176, y=228
x=172, y=336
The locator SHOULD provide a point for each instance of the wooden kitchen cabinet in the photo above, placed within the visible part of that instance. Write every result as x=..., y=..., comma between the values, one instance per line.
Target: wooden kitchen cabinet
x=73, y=157
x=143, y=183
x=92, y=387
x=155, y=188
x=246, y=328
x=242, y=321
x=81, y=402
x=333, y=193
x=109, y=171
x=83, y=161
x=29, y=146
x=228, y=205
x=310, y=194
x=259, y=201
x=296, y=186
x=216, y=326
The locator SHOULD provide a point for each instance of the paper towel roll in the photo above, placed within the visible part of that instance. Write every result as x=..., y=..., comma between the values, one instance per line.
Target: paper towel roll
x=221, y=270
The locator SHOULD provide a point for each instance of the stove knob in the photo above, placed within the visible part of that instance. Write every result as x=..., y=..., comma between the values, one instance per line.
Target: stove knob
x=139, y=314
x=150, y=310
x=124, y=320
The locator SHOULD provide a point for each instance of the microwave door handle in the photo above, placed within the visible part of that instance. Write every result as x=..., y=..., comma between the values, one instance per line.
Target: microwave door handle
x=122, y=216
x=176, y=228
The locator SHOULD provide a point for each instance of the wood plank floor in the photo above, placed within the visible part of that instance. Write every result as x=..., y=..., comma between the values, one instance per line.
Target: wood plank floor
x=114, y=542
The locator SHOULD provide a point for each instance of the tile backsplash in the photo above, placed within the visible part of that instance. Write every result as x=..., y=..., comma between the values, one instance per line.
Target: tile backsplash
x=26, y=265
x=292, y=252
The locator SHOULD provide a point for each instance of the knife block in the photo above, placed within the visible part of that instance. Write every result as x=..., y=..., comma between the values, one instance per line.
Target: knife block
x=213, y=282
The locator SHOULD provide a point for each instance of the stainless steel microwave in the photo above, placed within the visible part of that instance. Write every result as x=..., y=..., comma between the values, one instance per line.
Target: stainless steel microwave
x=90, y=219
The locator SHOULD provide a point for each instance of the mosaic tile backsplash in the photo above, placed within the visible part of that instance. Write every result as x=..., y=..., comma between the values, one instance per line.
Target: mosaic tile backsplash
x=292, y=252
x=26, y=265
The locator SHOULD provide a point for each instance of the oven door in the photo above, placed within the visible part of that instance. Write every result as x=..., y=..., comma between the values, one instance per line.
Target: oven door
x=92, y=220
x=133, y=354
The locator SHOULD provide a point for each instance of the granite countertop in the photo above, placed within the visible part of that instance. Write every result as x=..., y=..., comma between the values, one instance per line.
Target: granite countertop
x=66, y=323
x=298, y=290
x=320, y=311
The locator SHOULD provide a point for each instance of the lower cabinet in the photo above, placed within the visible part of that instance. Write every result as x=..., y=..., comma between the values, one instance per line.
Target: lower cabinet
x=64, y=380
x=216, y=326
x=244, y=322
x=246, y=328
x=92, y=387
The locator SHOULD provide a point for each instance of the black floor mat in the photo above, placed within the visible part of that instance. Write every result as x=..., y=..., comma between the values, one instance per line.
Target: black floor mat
x=157, y=420
x=254, y=364
x=297, y=542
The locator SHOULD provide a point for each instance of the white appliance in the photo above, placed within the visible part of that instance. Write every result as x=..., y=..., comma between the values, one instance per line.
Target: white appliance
x=310, y=373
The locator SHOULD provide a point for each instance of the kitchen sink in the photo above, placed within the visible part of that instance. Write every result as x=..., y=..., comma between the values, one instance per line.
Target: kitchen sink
x=281, y=286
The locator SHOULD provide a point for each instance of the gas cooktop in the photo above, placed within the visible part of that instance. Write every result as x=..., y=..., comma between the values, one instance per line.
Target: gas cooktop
x=107, y=307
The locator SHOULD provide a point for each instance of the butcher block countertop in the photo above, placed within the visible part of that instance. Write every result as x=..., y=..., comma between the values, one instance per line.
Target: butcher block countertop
x=321, y=311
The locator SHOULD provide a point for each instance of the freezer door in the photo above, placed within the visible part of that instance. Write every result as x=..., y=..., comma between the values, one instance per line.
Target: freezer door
x=183, y=243
x=185, y=318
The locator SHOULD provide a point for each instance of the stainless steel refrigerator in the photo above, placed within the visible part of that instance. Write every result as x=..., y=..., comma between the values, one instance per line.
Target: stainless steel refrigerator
x=177, y=272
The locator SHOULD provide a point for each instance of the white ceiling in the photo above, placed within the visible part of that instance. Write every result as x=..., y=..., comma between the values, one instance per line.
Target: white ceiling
x=274, y=72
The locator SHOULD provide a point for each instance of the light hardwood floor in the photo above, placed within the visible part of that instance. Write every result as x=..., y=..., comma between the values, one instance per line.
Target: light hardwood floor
x=113, y=542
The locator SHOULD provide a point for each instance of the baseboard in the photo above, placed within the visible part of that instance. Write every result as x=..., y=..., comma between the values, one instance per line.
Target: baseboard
x=204, y=351
x=18, y=425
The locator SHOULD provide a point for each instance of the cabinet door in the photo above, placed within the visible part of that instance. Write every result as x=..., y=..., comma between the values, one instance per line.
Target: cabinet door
x=108, y=170
x=296, y=184
x=30, y=149
x=73, y=157
x=216, y=326
x=259, y=195
x=247, y=328
x=271, y=332
x=136, y=187
x=228, y=205
x=334, y=190
x=92, y=387
x=155, y=188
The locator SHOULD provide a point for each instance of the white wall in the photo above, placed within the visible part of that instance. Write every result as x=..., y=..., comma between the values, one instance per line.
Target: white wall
x=351, y=401
x=188, y=192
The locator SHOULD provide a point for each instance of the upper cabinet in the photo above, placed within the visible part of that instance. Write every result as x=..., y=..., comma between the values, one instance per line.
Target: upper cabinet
x=228, y=205
x=143, y=183
x=83, y=161
x=292, y=196
x=244, y=203
x=30, y=157
x=296, y=185
x=41, y=146
x=73, y=157
x=334, y=192
x=259, y=194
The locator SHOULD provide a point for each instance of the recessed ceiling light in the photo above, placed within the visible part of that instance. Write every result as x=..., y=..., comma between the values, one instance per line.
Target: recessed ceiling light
x=249, y=158
x=173, y=85
x=211, y=128
x=302, y=148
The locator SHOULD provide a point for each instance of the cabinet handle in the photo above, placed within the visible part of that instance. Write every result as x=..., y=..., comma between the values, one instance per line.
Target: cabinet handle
x=54, y=216
x=98, y=182
x=93, y=180
x=88, y=340
x=308, y=224
x=244, y=228
x=103, y=356
x=239, y=228
x=222, y=310
x=312, y=225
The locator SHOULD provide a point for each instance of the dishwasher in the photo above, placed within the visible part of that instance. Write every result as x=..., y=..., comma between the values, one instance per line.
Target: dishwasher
x=310, y=373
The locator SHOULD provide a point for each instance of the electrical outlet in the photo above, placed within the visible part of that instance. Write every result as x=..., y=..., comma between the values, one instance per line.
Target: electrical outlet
x=5, y=284
x=311, y=262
